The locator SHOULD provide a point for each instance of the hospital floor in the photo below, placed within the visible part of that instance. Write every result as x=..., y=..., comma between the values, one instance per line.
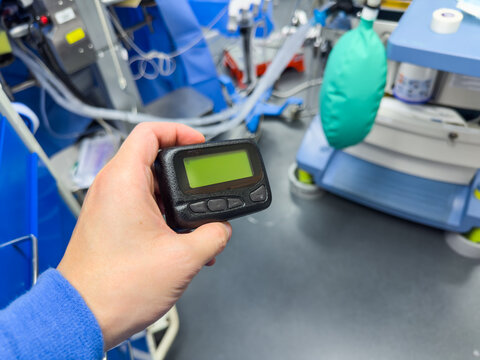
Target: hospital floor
x=328, y=279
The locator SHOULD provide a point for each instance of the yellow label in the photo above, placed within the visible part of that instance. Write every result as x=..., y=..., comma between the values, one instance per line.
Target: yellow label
x=477, y=194
x=401, y=5
x=5, y=47
x=75, y=35
x=129, y=3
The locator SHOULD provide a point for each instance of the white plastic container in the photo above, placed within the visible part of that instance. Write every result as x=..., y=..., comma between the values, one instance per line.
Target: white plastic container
x=414, y=84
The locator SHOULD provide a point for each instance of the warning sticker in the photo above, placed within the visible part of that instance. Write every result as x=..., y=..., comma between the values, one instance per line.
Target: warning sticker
x=64, y=15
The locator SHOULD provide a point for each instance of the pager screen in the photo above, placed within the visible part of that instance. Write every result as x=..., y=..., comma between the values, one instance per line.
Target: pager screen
x=217, y=168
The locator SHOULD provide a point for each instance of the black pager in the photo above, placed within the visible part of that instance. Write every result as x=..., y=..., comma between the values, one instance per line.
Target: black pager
x=210, y=182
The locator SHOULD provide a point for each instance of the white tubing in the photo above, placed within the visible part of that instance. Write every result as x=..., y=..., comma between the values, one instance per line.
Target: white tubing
x=24, y=110
x=63, y=96
x=279, y=63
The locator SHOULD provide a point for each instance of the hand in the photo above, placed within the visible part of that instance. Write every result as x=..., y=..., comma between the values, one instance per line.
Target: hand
x=124, y=260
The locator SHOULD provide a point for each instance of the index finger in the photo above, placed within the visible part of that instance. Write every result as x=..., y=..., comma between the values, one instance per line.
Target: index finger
x=143, y=143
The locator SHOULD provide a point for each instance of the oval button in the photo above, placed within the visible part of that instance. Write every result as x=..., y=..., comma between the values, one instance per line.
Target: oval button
x=217, y=204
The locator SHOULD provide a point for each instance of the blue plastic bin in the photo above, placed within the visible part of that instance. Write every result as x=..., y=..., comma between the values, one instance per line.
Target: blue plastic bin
x=30, y=204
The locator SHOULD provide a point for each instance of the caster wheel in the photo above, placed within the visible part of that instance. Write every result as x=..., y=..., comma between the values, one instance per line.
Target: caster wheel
x=300, y=188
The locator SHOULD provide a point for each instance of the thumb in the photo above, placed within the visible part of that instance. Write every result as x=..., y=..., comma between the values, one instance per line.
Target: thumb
x=208, y=240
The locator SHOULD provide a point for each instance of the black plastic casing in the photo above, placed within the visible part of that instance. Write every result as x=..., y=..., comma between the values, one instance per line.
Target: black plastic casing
x=177, y=195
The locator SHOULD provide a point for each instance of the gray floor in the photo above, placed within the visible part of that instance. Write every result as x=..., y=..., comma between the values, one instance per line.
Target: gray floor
x=328, y=279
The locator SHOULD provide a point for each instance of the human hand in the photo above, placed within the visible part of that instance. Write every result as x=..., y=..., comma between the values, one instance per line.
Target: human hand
x=124, y=260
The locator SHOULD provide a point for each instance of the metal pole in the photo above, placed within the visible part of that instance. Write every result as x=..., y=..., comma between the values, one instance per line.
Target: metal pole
x=7, y=110
x=246, y=28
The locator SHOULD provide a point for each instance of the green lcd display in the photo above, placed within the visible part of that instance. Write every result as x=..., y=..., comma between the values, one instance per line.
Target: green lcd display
x=217, y=168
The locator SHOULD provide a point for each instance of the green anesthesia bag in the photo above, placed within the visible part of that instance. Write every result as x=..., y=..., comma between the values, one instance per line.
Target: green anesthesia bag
x=353, y=86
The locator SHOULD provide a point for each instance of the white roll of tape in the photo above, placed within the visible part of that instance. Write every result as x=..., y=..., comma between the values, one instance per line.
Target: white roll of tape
x=446, y=21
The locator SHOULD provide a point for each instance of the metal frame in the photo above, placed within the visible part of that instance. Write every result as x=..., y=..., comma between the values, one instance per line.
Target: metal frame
x=34, y=241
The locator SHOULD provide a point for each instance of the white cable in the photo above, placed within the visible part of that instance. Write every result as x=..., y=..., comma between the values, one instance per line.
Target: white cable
x=303, y=86
x=24, y=110
x=48, y=127
x=63, y=96
x=275, y=69
x=162, y=63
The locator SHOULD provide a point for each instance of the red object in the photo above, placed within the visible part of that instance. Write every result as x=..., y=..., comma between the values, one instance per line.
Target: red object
x=231, y=65
x=296, y=63
x=44, y=20
x=234, y=67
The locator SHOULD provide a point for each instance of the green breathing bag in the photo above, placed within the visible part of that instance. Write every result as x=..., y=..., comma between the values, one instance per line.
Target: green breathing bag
x=353, y=86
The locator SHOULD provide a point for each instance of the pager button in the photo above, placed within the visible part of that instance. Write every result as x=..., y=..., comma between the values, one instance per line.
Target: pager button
x=217, y=204
x=234, y=203
x=259, y=194
x=199, y=207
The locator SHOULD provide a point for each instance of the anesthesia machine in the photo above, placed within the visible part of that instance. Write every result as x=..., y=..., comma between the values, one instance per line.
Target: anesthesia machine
x=419, y=159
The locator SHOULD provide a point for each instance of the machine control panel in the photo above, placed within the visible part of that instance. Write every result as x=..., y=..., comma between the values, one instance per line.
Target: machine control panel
x=66, y=34
x=211, y=182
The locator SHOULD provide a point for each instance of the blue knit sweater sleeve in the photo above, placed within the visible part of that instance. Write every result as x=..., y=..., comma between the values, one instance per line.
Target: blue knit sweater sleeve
x=51, y=321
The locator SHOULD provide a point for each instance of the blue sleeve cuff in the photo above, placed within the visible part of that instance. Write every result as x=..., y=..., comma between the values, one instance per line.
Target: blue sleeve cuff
x=51, y=321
